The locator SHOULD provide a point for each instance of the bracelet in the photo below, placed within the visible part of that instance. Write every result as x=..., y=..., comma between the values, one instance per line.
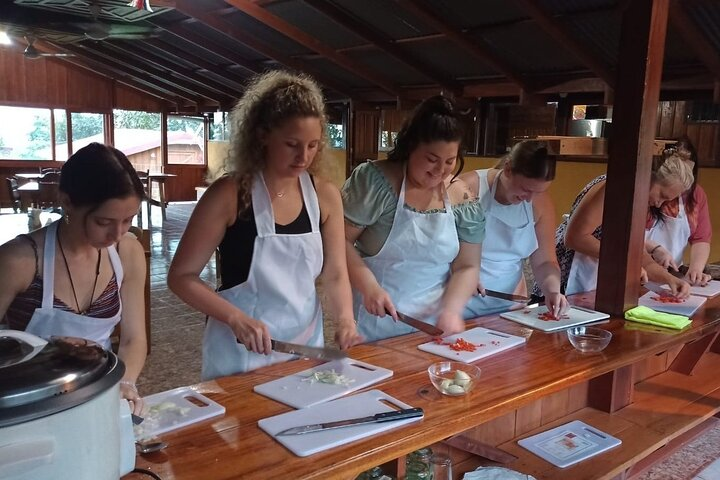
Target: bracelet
x=129, y=384
x=653, y=250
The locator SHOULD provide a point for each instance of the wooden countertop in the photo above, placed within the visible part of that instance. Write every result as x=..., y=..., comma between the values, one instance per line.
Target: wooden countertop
x=233, y=446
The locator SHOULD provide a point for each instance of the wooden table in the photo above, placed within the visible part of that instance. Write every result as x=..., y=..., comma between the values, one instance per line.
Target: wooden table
x=160, y=179
x=522, y=389
x=16, y=224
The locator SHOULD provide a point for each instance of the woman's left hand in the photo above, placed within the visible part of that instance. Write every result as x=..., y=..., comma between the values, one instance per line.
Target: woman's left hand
x=129, y=392
x=346, y=335
x=556, y=303
x=450, y=323
x=697, y=277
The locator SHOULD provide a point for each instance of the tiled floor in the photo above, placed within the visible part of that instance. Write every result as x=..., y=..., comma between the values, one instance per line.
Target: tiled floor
x=177, y=336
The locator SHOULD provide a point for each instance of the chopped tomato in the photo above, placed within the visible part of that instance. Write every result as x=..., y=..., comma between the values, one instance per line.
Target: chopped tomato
x=667, y=299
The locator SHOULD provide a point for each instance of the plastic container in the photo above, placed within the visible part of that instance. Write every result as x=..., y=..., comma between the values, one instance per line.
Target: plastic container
x=453, y=378
x=589, y=339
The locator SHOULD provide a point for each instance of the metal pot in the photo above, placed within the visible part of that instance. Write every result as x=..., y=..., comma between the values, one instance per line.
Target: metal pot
x=61, y=416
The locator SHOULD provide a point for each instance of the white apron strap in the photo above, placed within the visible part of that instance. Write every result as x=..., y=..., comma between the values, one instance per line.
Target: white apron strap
x=262, y=207
x=311, y=201
x=49, y=265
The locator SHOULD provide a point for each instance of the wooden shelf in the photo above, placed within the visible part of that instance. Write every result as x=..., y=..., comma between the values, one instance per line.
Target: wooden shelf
x=664, y=407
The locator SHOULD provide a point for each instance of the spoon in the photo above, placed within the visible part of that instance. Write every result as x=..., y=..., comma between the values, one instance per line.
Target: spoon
x=150, y=445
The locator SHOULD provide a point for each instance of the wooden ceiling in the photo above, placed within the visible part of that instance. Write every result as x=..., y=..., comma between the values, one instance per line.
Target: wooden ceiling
x=199, y=53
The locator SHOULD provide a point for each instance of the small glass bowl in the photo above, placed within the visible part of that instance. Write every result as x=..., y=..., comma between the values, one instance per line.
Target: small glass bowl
x=589, y=339
x=453, y=378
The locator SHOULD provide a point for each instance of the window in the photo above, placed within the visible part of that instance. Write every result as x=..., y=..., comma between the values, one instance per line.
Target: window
x=337, y=119
x=137, y=135
x=86, y=129
x=703, y=112
x=26, y=133
x=390, y=123
x=61, y=137
x=218, y=126
x=186, y=140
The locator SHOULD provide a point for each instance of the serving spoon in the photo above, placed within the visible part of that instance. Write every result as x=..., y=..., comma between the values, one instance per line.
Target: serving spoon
x=149, y=446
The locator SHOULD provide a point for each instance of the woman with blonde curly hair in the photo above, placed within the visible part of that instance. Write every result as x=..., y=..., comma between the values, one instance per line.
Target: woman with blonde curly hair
x=277, y=228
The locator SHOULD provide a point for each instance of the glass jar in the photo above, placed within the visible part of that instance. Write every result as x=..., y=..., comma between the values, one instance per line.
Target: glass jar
x=417, y=465
x=374, y=473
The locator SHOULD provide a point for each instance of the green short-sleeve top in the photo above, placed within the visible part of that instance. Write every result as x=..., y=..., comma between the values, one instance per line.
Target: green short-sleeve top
x=370, y=202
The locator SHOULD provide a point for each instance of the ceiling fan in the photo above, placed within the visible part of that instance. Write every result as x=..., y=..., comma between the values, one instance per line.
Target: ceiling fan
x=99, y=30
x=33, y=53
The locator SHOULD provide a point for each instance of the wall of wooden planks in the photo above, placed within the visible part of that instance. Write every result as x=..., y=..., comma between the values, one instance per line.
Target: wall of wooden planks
x=672, y=123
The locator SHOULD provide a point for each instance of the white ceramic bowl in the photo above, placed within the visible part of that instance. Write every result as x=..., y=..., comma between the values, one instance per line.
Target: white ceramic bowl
x=589, y=339
x=453, y=378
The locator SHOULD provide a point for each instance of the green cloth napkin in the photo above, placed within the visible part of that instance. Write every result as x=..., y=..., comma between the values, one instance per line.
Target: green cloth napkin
x=648, y=315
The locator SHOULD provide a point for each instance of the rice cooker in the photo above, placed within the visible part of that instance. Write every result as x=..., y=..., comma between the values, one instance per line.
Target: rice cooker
x=61, y=416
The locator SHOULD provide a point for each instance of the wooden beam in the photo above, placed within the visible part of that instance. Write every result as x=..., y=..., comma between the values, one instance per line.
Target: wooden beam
x=292, y=32
x=642, y=47
x=562, y=35
x=691, y=353
x=100, y=64
x=481, y=52
x=383, y=42
x=162, y=76
x=211, y=46
x=693, y=36
x=240, y=35
x=218, y=70
x=136, y=50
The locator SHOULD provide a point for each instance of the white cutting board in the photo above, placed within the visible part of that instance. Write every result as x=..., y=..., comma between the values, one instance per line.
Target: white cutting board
x=488, y=342
x=710, y=290
x=297, y=391
x=360, y=405
x=687, y=308
x=187, y=407
x=529, y=317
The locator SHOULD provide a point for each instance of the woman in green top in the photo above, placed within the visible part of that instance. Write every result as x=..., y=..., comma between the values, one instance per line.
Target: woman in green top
x=414, y=232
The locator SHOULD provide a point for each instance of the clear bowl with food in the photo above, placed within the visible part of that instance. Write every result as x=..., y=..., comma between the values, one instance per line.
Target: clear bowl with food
x=453, y=378
x=589, y=339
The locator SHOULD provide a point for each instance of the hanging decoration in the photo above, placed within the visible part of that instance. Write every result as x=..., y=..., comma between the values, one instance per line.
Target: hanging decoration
x=140, y=5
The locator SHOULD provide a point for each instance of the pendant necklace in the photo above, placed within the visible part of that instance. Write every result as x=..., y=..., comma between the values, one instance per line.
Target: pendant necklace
x=72, y=284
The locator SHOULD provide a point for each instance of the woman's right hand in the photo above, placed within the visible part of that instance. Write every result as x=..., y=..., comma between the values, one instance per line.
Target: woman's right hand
x=679, y=287
x=664, y=258
x=378, y=302
x=252, y=333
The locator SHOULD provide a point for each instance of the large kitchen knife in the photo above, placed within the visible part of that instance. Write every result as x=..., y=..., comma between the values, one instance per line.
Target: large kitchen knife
x=377, y=418
x=306, y=351
x=422, y=326
x=506, y=296
x=659, y=289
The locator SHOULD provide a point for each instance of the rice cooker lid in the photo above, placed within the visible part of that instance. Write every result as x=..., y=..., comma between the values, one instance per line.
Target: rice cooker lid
x=39, y=378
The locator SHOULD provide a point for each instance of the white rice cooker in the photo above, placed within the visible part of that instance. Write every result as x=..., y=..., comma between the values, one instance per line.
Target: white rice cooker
x=61, y=416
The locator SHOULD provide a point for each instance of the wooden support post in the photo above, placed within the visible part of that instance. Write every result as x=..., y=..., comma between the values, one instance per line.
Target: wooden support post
x=642, y=45
x=715, y=347
x=716, y=92
x=612, y=391
x=690, y=354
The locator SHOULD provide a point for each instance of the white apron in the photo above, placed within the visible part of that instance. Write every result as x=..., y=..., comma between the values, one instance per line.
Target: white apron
x=279, y=290
x=48, y=321
x=509, y=238
x=672, y=233
x=413, y=267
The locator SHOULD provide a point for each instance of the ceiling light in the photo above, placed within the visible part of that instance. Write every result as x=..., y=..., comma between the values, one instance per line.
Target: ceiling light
x=4, y=39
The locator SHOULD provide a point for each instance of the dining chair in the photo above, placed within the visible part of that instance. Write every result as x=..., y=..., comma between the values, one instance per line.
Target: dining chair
x=50, y=177
x=48, y=194
x=12, y=185
x=143, y=175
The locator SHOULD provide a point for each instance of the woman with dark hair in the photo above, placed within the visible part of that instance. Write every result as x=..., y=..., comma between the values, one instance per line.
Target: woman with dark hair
x=277, y=226
x=681, y=221
x=520, y=223
x=577, y=239
x=82, y=275
x=413, y=229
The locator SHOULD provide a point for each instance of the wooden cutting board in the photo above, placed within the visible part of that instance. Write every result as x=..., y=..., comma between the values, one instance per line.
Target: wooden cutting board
x=360, y=405
x=576, y=316
x=299, y=392
x=175, y=409
x=687, y=308
x=488, y=342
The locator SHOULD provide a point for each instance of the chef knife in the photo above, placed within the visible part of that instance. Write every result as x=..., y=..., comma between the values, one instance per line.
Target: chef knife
x=422, y=326
x=507, y=296
x=659, y=289
x=405, y=413
x=306, y=351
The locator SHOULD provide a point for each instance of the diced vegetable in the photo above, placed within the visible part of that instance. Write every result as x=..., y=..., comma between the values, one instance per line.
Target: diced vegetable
x=329, y=376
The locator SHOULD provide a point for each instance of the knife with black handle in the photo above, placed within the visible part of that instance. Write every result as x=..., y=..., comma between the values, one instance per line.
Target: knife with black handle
x=402, y=414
